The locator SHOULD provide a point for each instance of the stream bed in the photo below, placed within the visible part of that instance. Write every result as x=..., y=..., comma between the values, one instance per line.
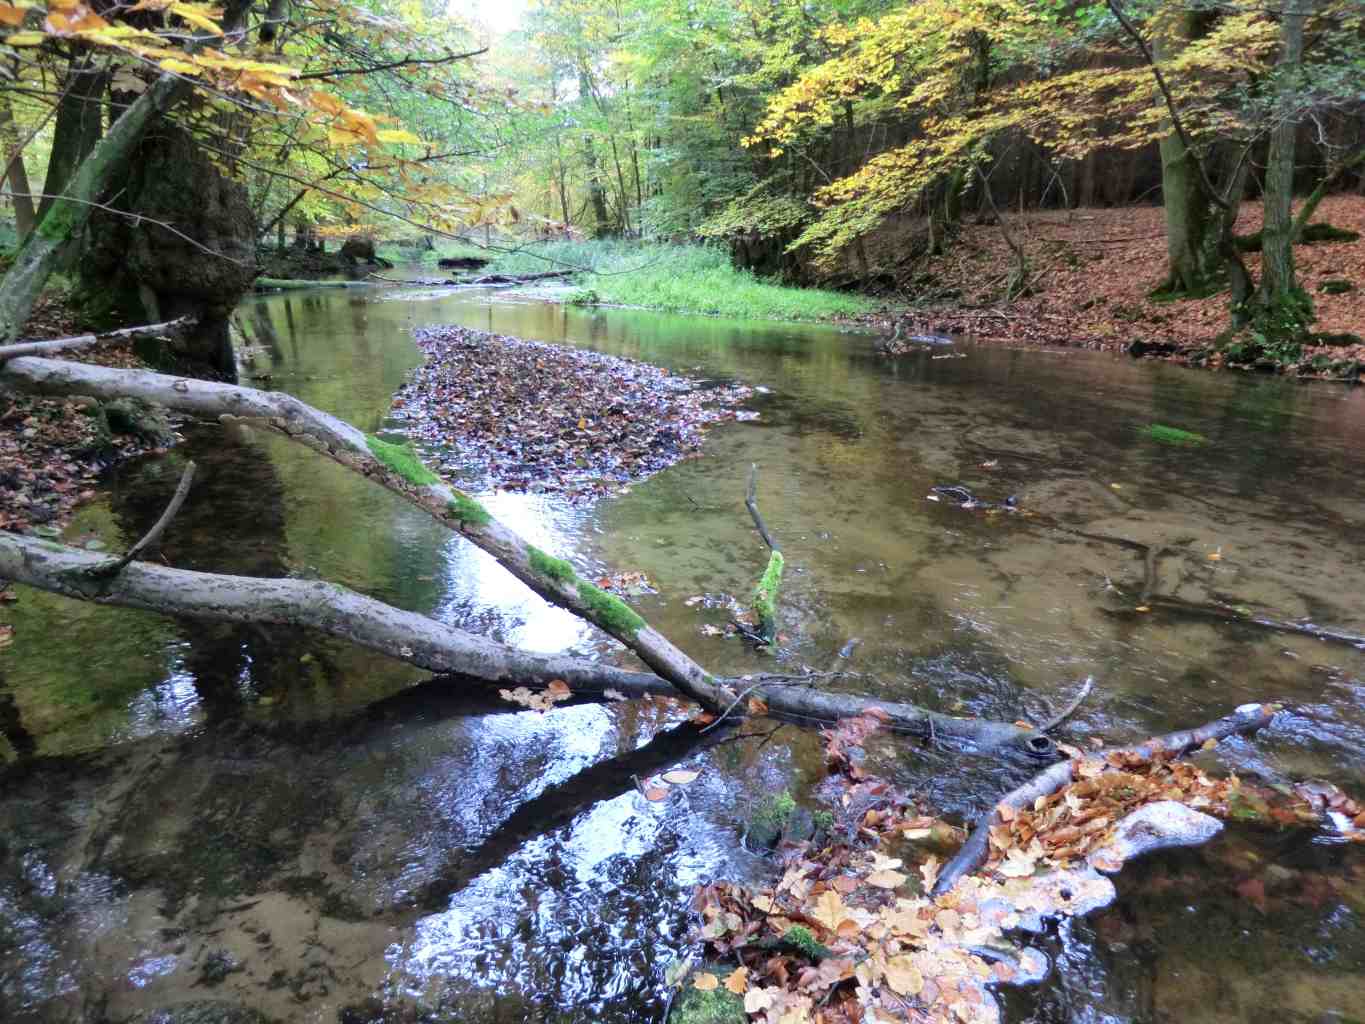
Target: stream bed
x=250, y=823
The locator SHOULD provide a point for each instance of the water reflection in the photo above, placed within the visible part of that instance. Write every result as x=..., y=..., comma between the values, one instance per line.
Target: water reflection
x=180, y=794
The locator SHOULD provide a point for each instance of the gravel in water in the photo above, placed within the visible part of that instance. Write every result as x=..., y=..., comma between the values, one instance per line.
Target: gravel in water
x=503, y=412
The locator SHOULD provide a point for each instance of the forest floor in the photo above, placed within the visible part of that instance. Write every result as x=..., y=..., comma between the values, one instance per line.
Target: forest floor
x=1093, y=271
x=52, y=450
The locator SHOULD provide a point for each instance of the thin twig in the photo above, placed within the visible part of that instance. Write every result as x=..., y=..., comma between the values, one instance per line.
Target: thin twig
x=1070, y=709
x=182, y=491
x=751, y=503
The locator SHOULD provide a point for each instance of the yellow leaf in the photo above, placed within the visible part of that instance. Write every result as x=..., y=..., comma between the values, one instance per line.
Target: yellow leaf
x=680, y=776
x=398, y=135
x=903, y=976
x=25, y=39
x=738, y=982
x=829, y=910
x=705, y=982
x=198, y=15
x=180, y=67
x=11, y=15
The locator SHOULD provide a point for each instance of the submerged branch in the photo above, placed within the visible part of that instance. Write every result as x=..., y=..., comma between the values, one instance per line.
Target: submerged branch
x=1246, y=719
x=182, y=491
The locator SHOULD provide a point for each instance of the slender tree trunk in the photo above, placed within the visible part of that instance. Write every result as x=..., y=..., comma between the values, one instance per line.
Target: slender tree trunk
x=16, y=174
x=1191, y=234
x=78, y=127
x=1278, y=284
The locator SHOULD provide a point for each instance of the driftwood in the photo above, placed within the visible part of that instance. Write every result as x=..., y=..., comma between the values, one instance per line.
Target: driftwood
x=547, y=275
x=44, y=348
x=1246, y=719
x=427, y=644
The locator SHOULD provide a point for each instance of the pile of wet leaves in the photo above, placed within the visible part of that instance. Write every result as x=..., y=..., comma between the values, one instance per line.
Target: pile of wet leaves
x=853, y=931
x=503, y=412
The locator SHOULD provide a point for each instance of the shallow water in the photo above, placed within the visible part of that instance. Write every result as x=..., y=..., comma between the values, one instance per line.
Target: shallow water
x=268, y=820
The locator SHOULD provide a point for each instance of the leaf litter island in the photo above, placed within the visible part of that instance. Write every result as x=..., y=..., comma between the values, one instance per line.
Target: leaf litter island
x=526, y=415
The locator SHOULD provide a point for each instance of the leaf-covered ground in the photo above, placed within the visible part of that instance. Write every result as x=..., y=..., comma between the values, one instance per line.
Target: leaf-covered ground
x=51, y=449
x=1094, y=270
x=502, y=412
x=851, y=933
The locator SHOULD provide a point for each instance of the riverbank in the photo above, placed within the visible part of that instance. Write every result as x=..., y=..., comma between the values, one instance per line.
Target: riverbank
x=1093, y=271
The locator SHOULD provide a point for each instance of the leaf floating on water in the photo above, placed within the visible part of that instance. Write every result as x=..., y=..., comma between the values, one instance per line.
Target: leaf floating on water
x=655, y=793
x=1143, y=608
x=680, y=776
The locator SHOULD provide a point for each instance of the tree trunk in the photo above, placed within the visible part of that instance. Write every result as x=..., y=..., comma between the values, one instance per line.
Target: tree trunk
x=1278, y=284
x=78, y=127
x=16, y=174
x=67, y=217
x=1191, y=232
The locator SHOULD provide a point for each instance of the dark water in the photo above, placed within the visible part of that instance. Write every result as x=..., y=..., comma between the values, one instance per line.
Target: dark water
x=260, y=818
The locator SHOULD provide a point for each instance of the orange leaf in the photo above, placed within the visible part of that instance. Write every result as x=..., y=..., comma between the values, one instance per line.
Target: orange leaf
x=738, y=982
x=705, y=982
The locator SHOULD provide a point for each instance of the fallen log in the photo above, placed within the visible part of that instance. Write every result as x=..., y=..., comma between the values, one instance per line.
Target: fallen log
x=398, y=469
x=427, y=644
x=171, y=328
x=547, y=275
x=1246, y=719
x=284, y=284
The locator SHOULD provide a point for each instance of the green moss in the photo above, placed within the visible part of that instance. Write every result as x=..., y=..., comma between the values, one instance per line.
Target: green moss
x=823, y=820
x=800, y=938
x=555, y=568
x=765, y=595
x=610, y=612
x=401, y=459
x=1173, y=435
x=770, y=819
x=60, y=221
x=468, y=511
x=719, y=1006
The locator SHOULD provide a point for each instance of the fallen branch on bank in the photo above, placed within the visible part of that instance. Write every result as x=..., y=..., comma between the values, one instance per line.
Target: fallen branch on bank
x=427, y=644
x=1246, y=719
x=170, y=328
x=486, y=279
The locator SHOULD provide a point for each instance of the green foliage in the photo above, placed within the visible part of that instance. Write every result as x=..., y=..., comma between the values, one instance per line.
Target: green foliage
x=1163, y=434
x=765, y=595
x=401, y=459
x=718, y=1006
x=610, y=611
x=550, y=567
x=800, y=938
x=582, y=297
x=468, y=511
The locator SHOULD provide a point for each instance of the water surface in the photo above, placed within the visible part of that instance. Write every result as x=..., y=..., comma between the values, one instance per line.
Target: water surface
x=259, y=817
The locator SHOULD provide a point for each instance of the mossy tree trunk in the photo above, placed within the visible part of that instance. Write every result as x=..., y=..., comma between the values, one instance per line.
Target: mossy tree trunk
x=1278, y=283
x=79, y=125
x=1191, y=229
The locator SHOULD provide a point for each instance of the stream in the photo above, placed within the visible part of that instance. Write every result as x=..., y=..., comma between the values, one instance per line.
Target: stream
x=251, y=824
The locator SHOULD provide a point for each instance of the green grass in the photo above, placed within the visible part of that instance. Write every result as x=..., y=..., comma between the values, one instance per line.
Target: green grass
x=676, y=279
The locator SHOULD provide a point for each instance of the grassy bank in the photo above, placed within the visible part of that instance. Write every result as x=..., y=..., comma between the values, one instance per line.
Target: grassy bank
x=671, y=278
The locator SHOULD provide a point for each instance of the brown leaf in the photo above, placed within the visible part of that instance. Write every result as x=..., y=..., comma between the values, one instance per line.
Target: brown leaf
x=903, y=976
x=705, y=982
x=757, y=706
x=738, y=982
x=656, y=793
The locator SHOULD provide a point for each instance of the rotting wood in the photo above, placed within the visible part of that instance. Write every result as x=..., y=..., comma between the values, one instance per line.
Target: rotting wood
x=1246, y=719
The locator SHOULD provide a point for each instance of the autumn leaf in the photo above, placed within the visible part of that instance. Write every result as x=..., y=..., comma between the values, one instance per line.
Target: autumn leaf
x=829, y=910
x=738, y=981
x=6, y=636
x=756, y=1000
x=903, y=976
x=680, y=777
x=705, y=982
x=655, y=793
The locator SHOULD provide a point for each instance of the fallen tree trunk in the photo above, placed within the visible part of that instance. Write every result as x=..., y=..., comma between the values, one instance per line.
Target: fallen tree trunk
x=548, y=275
x=1247, y=718
x=421, y=641
x=398, y=469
